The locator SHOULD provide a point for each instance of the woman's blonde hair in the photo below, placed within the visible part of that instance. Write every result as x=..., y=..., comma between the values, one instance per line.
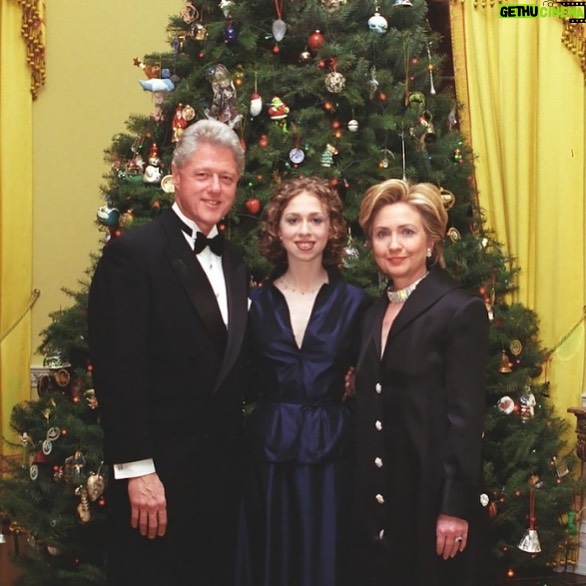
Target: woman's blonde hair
x=423, y=197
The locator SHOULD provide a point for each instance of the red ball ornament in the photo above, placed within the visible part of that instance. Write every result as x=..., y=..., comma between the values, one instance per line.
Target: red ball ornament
x=264, y=141
x=415, y=61
x=333, y=182
x=336, y=124
x=252, y=205
x=201, y=54
x=316, y=40
x=276, y=50
x=382, y=97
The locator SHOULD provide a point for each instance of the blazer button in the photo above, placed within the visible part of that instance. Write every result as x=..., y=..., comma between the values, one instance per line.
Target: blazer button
x=378, y=462
x=378, y=388
x=378, y=425
x=380, y=499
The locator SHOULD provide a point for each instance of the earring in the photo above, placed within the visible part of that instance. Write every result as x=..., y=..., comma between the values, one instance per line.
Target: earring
x=429, y=253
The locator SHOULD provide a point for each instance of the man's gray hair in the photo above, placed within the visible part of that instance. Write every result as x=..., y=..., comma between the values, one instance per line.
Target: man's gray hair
x=212, y=132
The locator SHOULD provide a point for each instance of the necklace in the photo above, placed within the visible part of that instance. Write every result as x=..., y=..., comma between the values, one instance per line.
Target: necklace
x=402, y=295
x=294, y=290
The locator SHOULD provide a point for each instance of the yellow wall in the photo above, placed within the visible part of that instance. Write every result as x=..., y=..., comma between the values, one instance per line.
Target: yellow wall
x=92, y=87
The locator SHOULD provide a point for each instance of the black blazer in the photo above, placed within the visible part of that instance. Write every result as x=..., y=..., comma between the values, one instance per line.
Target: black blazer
x=167, y=372
x=420, y=413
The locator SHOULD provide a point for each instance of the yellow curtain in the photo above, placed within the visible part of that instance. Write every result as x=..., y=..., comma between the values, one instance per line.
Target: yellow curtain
x=523, y=109
x=15, y=214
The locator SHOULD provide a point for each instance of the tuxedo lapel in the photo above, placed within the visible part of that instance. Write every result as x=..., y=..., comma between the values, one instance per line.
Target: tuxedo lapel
x=235, y=274
x=194, y=280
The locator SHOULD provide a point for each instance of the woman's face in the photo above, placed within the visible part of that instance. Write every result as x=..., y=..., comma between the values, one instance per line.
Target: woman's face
x=400, y=243
x=304, y=227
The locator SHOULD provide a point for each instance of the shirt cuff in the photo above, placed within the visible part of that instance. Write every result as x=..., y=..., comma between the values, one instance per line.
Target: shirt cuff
x=134, y=469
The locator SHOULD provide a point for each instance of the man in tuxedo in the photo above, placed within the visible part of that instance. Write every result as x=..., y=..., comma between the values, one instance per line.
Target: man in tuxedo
x=167, y=315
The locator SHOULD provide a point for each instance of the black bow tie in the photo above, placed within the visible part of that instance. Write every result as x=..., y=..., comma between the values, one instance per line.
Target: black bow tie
x=216, y=243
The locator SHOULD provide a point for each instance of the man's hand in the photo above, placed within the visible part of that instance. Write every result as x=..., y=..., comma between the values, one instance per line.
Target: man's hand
x=148, y=506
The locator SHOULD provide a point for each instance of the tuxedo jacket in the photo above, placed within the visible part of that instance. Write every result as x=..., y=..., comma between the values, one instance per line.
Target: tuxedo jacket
x=168, y=374
x=420, y=412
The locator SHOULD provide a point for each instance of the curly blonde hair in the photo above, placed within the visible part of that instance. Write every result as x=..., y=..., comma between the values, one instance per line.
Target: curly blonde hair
x=269, y=241
x=425, y=198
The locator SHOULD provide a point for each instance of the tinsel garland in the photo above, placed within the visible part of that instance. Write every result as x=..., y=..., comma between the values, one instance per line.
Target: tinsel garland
x=33, y=31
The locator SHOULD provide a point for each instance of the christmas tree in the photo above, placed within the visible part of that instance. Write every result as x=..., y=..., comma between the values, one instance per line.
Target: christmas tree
x=354, y=92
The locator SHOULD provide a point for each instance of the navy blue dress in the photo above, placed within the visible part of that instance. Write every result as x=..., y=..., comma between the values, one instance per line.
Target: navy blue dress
x=295, y=515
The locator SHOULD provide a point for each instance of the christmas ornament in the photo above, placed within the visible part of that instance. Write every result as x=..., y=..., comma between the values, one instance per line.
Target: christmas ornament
x=430, y=69
x=83, y=509
x=255, y=104
x=378, y=23
x=505, y=365
x=530, y=540
x=353, y=125
x=95, y=485
x=561, y=467
x=335, y=82
x=402, y=3
x=263, y=141
x=252, y=205
x=454, y=235
x=416, y=101
x=108, y=216
x=162, y=84
x=527, y=402
x=224, y=104
x=296, y=156
x=327, y=157
x=167, y=184
x=516, y=347
x=448, y=198
x=277, y=109
x=199, y=32
x=279, y=27
x=316, y=40
x=178, y=124
x=157, y=115
x=372, y=82
x=151, y=71
x=350, y=251
x=230, y=33
x=506, y=405
x=226, y=7
x=189, y=13
x=304, y=57
x=255, y=99
x=152, y=172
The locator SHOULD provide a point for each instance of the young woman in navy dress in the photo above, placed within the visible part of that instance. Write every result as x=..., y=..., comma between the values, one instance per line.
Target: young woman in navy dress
x=305, y=322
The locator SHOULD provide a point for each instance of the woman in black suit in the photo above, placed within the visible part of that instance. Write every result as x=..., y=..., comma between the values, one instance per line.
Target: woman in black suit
x=420, y=403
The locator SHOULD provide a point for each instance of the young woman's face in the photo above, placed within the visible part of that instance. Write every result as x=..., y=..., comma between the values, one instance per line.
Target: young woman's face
x=304, y=228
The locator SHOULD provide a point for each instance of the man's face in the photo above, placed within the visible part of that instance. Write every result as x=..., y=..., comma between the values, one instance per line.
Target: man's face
x=205, y=186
